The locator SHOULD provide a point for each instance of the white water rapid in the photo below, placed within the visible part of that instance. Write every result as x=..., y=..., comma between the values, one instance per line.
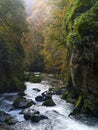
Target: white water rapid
x=58, y=115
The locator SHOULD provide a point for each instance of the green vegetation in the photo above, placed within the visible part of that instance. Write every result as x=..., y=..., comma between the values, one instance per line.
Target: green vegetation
x=81, y=24
x=65, y=43
x=12, y=27
x=49, y=102
x=32, y=77
x=6, y=118
x=80, y=30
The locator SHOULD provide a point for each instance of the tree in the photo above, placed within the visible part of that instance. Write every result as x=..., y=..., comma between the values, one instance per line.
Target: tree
x=12, y=26
x=54, y=49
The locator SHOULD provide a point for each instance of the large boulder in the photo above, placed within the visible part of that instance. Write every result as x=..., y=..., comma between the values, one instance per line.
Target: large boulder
x=47, y=95
x=22, y=102
x=33, y=115
x=39, y=98
x=6, y=118
x=49, y=103
x=44, y=96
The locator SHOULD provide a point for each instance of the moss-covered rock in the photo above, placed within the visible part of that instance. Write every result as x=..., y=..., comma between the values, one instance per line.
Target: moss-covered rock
x=36, y=79
x=32, y=77
x=33, y=115
x=22, y=102
x=6, y=118
x=78, y=105
x=69, y=96
x=49, y=102
x=81, y=36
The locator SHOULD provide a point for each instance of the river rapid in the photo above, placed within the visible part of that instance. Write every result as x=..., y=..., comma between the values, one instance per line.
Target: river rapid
x=58, y=118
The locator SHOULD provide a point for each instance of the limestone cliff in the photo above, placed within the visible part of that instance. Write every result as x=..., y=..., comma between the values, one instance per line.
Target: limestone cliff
x=81, y=32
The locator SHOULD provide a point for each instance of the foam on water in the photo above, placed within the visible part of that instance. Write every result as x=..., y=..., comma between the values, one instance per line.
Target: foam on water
x=58, y=115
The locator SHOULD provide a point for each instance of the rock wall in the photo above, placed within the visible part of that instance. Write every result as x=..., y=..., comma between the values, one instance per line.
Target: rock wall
x=81, y=32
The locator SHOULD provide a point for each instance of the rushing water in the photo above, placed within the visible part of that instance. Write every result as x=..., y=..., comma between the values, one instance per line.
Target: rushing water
x=58, y=115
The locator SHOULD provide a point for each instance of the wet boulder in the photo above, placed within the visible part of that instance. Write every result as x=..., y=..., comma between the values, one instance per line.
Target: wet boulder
x=49, y=102
x=43, y=117
x=21, y=94
x=47, y=95
x=6, y=118
x=44, y=93
x=22, y=102
x=33, y=115
x=36, y=89
x=43, y=97
x=28, y=113
x=39, y=98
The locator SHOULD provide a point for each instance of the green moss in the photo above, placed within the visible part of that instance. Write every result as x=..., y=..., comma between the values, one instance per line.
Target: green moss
x=81, y=32
x=36, y=79
x=18, y=85
x=84, y=105
x=12, y=85
x=18, y=100
x=35, y=118
x=78, y=101
x=87, y=23
x=73, y=40
x=88, y=107
x=32, y=78
x=69, y=96
x=64, y=95
x=49, y=102
x=6, y=118
x=81, y=23
x=9, y=120
x=78, y=105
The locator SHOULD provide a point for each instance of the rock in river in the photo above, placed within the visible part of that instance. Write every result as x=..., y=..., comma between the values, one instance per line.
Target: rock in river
x=49, y=102
x=36, y=89
x=33, y=115
x=43, y=97
x=39, y=98
x=22, y=102
x=6, y=118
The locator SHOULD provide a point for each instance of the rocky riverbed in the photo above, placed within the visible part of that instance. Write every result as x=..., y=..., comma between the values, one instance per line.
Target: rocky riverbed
x=41, y=108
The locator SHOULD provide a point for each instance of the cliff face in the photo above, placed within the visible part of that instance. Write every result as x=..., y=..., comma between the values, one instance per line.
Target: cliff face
x=82, y=43
x=84, y=75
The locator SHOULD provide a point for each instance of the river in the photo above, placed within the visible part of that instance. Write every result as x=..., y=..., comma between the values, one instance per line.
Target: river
x=57, y=115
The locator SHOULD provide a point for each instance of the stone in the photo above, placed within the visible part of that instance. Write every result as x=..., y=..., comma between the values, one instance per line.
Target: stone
x=6, y=118
x=47, y=95
x=49, y=102
x=36, y=89
x=22, y=102
x=39, y=98
x=42, y=117
x=33, y=115
x=44, y=93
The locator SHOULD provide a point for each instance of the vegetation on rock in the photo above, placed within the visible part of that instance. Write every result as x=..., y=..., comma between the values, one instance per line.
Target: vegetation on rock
x=49, y=102
x=64, y=43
